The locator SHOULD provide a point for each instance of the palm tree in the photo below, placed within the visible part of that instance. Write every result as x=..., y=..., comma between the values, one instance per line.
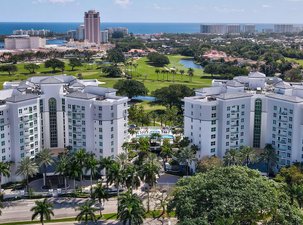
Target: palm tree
x=74, y=170
x=157, y=71
x=131, y=177
x=122, y=159
x=80, y=157
x=231, y=157
x=62, y=168
x=153, y=115
x=43, y=209
x=248, y=154
x=91, y=165
x=269, y=156
x=87, y=212
x=182, y=73
x=27, y=168
x=186, y=156
x=44, y=159
x=4, y=172
x=166, y=151
x=104, y=164
x=149, y=172
x=131, y=210
x=101, y=194
x=114, y=176
x=190, y=73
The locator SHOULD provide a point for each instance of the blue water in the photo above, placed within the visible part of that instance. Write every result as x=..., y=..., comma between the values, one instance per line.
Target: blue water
x=190, y=63
x=136, y=28
x=145, y=98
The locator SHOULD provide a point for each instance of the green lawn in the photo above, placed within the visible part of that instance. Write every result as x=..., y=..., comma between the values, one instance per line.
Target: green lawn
x=298, y=61
x=144, y=73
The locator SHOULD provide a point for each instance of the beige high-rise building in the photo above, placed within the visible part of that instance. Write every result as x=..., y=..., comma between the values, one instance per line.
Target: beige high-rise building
x=92, y=26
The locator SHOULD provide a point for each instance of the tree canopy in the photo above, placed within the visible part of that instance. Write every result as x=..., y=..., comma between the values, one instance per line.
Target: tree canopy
x=112, y=71
x=157, y=59
x=115, y=55
x=173, y=95
x=54, y=63
x=130, y=88
x=238, y=194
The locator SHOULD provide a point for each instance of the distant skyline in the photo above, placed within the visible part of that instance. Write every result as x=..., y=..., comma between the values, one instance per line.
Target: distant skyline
x=186, y=11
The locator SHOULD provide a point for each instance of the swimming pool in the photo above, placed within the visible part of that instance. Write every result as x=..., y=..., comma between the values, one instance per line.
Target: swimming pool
x=167, y=136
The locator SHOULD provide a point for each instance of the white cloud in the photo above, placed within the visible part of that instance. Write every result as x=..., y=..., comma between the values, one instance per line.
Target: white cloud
x=123, y=3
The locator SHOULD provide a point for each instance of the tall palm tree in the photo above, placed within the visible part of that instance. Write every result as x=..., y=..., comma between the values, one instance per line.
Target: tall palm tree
x=166, y=151
x=44, y=159
x=131, y=209
x=122, y=159
x=186, y=156
x=43, y=209
x=131, y=178
x=149, y=172
x=248, y=154
x=87, y=212
x=27, y=168
x=190, y=73
x=231, y=157
x=269, y=156
x=4, y=172
x=101, y=194
x=80, y=157
x=104, y=164
x=114, y=176
x=91, y=165
x=62, y=168
x=74, y=170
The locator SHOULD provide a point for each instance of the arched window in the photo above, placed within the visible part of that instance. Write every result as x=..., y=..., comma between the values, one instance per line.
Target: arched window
x=257, y=123
x=52, y=104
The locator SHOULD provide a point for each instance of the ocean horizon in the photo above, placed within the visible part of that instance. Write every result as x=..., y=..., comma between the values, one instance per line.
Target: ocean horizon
x=7, y=28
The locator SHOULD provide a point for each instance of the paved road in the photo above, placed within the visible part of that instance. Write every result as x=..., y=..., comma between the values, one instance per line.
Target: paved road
x=20, y=210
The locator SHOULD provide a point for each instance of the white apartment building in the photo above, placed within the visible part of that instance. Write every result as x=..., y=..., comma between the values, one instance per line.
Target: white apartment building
x=252, y=110
x=15, y=42
x=56, y=112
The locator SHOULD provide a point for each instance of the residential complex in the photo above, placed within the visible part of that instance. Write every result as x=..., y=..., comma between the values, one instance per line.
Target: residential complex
x=58, y=112
x=284, y=28
x=252, y=110
x=92, y=26
x=15, y=42
x=32, y=32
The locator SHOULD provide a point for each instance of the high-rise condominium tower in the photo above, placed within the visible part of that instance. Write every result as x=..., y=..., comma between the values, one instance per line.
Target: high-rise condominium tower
x=92, y=26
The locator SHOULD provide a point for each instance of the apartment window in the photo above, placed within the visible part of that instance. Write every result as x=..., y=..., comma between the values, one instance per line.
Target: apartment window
x=213, y=136
x=290, y=126
x=112, y=107
x=227, y=129
x=2, y=128
x=243, y=106
x=213, y=150
x=213, y=108
x=228, y=115
x=228, y=108
x=291, y=111
x=20, y=111
x=227, y=136
x=227, y=143
x=1, y=113
x=242, y=120
x=274, y=121
x=227, y=122
x=290, y=118
x=112, y=143
x=111, y=129
x=52, y=104
x=275, y=107
x=275, y=114
x=3, y=150
x=213, y=115
x=213, y=143
x=213, y=122
x=213, y=129
x=242, y=113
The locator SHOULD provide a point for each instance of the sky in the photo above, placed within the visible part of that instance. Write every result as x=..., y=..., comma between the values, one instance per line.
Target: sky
x=198, y=11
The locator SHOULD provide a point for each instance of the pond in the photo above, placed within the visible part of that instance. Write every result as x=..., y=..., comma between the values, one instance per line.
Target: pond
x=190, y=63
x=145, y=98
